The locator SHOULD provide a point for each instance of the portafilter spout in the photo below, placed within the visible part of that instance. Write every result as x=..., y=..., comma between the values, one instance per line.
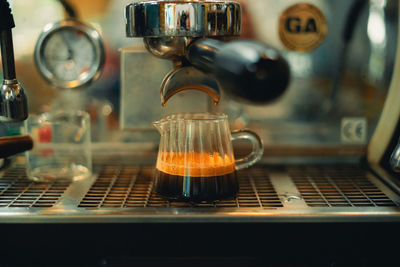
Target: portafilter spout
x=188, y=78
x=13, y=102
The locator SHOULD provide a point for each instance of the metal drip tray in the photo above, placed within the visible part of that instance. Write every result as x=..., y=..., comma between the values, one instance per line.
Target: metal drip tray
x=123, y=193
x=17, y=191
x=127, y=187
x=341, y=186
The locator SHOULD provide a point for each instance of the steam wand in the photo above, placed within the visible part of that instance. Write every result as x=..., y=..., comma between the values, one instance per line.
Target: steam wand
x=13, y=102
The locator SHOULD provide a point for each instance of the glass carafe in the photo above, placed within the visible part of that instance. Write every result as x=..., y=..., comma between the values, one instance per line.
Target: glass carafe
x=196, y=161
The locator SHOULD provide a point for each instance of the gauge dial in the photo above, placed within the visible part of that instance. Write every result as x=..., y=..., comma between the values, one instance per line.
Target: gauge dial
x=69, y=54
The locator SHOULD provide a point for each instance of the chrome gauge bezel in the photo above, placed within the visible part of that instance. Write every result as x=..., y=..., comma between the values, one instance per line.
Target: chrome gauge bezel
x=69, y=24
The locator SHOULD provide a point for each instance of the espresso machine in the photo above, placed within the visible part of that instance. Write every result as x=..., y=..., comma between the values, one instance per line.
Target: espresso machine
x=318, y=80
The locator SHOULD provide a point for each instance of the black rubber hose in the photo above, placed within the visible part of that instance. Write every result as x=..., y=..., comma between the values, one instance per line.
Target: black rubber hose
x=352, y=18
x=351, y=21
x=71, y=11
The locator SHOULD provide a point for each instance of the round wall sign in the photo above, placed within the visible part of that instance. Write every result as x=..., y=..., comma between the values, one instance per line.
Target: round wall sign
x=302, y=27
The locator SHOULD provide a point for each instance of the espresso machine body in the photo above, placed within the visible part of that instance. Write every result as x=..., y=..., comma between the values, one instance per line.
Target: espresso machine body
x=326, y=191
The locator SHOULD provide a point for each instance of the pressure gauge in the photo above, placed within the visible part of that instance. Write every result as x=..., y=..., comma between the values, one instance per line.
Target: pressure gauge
x=69, y=54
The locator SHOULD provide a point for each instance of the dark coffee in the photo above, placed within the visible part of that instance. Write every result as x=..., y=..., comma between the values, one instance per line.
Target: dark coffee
x=195, y=176
x=195, y=188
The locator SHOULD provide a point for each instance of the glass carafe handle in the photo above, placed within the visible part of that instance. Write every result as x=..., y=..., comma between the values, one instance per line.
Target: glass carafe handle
x=257, y=150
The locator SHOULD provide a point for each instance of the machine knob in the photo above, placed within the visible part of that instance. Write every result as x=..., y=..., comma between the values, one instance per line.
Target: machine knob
x=12, y=145
x=395, y=158
x=248, y=70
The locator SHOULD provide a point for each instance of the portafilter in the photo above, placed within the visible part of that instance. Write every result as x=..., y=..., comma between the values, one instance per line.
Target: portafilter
x=198, y=36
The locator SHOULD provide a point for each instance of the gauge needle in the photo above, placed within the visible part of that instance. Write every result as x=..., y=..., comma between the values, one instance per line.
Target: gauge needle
x=69, y=49
x=55, y=58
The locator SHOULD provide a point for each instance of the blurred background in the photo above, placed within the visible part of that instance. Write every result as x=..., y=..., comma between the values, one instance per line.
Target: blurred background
x=342, y=78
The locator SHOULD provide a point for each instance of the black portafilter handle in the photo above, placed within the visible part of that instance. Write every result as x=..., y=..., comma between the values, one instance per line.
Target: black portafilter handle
x=248, y=70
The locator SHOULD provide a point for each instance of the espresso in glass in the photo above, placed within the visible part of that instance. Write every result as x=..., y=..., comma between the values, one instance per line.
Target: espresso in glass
x=196, y=177
x=195, y=160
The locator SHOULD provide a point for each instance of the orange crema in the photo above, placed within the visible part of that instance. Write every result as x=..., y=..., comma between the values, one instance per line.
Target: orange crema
x=195, y=164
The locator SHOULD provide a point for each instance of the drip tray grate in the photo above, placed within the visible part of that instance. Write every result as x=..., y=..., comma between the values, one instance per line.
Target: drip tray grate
x=337, y=186
x=131, y=187
x=17, y=191
x=124, y=193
